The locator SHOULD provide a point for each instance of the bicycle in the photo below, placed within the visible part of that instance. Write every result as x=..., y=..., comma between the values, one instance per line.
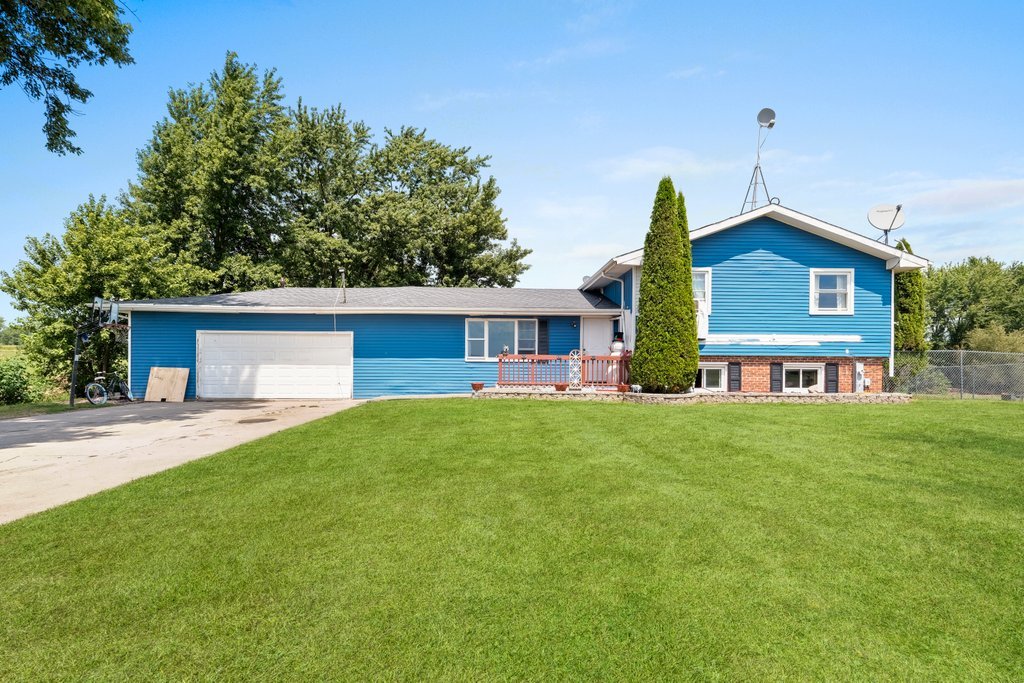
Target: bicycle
x=97, y=394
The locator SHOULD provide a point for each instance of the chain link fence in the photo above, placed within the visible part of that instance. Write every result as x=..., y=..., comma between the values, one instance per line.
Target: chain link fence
x=959, y=374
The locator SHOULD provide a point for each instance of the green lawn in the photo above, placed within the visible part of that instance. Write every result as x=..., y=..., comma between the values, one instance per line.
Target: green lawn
x=6, y=351
x=481, y=540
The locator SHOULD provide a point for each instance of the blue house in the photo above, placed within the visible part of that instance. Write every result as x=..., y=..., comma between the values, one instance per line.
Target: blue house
x=786, y=303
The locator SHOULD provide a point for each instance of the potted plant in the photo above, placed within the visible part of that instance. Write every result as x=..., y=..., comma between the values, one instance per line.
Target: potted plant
x=477, y=386
x=561, y=386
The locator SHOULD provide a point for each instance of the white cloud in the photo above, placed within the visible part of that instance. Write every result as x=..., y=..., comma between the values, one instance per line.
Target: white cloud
x=430, y=102
x=587, y=50
x=689, y=72
x=580, y=209
x=597, y=14
x=658, y=161
x=601, y=251
x=962, y=197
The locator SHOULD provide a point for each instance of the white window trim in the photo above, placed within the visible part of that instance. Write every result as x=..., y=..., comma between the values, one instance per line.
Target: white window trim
x=724, y=367
x=820, y=387
x=848, y=272
x=487, y=328
x=707, y=285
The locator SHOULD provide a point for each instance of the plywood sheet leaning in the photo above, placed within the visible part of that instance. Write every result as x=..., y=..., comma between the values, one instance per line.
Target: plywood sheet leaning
x=167, y=384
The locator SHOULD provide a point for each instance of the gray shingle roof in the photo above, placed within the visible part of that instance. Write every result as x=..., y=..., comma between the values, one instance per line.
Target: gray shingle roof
x=426, y=298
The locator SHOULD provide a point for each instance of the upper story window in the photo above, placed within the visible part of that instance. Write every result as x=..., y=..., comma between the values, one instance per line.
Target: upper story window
x=702, y=287
x=488, y=339
x=831, y=291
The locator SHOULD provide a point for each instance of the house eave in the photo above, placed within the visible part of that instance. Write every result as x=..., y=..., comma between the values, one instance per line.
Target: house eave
x=342, y=310
x=895, y=259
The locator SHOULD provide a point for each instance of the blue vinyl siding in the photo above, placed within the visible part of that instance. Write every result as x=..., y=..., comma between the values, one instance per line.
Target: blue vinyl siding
x=615, y=292
x=394, y=354
x=761, y=286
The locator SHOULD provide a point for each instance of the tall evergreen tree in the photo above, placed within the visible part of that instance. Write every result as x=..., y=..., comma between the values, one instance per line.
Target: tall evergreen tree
x=910, y=318
x=691, y=347
x=659, y=361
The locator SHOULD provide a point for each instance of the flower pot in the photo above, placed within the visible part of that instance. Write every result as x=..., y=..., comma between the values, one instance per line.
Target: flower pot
x=561, y=386
x=622, y=388
x=477, y=386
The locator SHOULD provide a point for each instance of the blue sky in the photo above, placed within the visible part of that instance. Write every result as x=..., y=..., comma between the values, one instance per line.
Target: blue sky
x=584, y=105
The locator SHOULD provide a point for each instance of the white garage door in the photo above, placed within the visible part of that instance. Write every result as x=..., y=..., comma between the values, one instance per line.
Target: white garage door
x=274, y=364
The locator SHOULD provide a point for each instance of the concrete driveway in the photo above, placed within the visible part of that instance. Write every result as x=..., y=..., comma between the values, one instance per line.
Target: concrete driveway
x=48, y=460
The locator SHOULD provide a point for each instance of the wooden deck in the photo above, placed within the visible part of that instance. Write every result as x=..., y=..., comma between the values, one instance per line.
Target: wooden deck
x=538, y=370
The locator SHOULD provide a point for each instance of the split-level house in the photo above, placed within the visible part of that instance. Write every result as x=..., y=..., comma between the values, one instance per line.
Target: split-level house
x=786, y=302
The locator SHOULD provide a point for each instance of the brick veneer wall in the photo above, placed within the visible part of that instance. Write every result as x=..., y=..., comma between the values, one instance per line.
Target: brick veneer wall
x=757, y=370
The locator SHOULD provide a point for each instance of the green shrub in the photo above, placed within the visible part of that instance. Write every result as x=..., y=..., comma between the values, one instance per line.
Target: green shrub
x=15, y=381
x=664, y=360
x=929, y=381
x=909, y=328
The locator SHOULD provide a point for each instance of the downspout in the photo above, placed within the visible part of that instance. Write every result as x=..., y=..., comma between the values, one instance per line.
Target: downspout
x=622, y=301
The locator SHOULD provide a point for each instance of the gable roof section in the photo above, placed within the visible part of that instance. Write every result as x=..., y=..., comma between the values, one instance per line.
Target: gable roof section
x=417, y=300
x=895, y=259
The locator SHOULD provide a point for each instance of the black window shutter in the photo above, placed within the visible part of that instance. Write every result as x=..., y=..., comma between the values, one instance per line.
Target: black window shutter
x=735, y=376
x=542, y=337
x=776, y=377
x=831, y=378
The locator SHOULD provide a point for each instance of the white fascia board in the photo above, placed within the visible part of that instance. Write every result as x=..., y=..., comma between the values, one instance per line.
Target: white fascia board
x=905, y=262
x=895, y=259
x=615, y=266
x=213, y=308
x=820, y=228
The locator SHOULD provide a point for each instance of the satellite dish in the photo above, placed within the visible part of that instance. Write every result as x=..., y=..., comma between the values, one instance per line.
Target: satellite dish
x=766, y=118
x=887, y=217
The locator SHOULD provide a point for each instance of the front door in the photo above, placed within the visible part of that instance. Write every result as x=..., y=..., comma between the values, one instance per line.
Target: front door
x=596, y=336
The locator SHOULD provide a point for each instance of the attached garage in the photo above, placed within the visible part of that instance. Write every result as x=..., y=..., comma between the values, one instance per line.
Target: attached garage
x=312, y=343
x=241, y=364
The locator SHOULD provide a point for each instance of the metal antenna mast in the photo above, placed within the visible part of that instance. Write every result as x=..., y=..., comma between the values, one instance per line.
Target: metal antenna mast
x=765, y=122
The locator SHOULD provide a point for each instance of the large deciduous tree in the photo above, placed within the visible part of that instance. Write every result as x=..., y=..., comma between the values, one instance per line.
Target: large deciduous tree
x=102, y=252
x=42, y=42
x=256, y=194
x=330, y=179
x=237, y=192
x=214, y=177
x=660, y=362
x=976, y=292
x=431, y=218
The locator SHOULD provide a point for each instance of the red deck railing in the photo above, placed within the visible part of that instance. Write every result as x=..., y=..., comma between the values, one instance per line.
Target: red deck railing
x=545, y=370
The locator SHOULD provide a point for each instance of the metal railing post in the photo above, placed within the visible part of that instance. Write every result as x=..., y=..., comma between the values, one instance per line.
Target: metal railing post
x=961, y=373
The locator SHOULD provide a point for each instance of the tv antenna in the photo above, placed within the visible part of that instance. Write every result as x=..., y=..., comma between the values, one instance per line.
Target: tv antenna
x=765, y=122
x=887, y=217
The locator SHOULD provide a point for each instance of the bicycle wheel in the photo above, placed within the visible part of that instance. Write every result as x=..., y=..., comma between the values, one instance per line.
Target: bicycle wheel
x=95, y=393
x=126, y=393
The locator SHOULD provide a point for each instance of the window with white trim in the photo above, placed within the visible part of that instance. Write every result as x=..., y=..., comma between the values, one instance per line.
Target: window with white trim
x=711, y=376
x=831, y=291
x=702, y=286
x=803, y=378
x=486, y=339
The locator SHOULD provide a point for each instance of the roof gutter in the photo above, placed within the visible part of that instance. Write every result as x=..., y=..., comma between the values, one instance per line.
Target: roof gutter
x=214, y=308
